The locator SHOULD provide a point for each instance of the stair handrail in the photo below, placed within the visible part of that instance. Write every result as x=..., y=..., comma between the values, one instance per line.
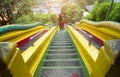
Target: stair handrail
x=31, y=38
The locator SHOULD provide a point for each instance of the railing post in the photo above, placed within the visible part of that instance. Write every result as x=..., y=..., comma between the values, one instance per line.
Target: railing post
x=90, y=40
x=11, y=61
x=32, y=38
x=112, y=49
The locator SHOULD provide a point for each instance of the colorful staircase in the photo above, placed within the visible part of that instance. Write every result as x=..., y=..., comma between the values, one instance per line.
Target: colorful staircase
x=62, y=58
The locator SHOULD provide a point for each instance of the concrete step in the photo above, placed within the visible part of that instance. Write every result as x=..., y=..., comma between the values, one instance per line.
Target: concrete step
x=62, y=41
x=61, y=37
x=61, y=47
x=63, y=54
x=62, y=72
x=66, y=52
x=61, y=63
x=60, y=44
x=61, y=57
x=60, y=50
x=63, y=67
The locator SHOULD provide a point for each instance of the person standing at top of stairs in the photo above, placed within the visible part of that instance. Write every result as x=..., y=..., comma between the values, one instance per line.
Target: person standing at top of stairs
x=60, y=19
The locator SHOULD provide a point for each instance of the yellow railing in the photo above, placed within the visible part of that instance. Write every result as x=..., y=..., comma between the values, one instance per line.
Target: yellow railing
x=25, y=64
x=97, y=61
x=105, y=30
x=16, y=36
x=32, y=56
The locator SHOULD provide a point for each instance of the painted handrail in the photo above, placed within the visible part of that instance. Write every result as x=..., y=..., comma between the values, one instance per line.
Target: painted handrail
x=8, y=28
x=105, y=30
x=90, y=37
x=33, y=55
x=25, y=64
x=12, y=59
x=97, y=61
x=108, y=24
x=13, y=36
x=31, y=38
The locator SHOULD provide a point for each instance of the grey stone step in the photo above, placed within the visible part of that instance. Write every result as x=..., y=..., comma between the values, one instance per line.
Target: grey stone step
x=66, y=52
x=61, y=47
x=61, y=41
x=62, y=72
x=58, y=35
x=59, y=44
x=61, y=37
x=60, y=50
x=63, y=67
x=61, y=57
x=61, y=63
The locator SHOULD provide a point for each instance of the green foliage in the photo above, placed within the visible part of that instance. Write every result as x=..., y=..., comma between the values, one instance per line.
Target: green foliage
x=90, y=2
x=49, y=18
x=100, y=10
x=89, y=17
x=26, y=19
x=10, y=10
x=101, y=1
x=71, y=13
x=82, y=3
x=115, y=13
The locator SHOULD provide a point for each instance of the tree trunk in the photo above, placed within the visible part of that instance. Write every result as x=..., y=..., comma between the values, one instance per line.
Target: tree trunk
x=100, y=1
x=109, y=9
x=12, y=17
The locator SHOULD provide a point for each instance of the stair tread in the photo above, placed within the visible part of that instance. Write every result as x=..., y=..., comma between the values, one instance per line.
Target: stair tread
x=61, y=41
x=61, y=50
x=62, y=59
x=61, y=63
x=63, y=54
x=61, y=67
x=49, y=57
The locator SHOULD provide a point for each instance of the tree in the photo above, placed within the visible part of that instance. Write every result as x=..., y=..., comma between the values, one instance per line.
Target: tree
x=115, y=13
x=53, y=18
x=49, y=18
x=99, y=12
x=101, y=1
x=10, y=10
x=110, y=8
x=71, y=13
x=90, y=2
x=82, y=3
